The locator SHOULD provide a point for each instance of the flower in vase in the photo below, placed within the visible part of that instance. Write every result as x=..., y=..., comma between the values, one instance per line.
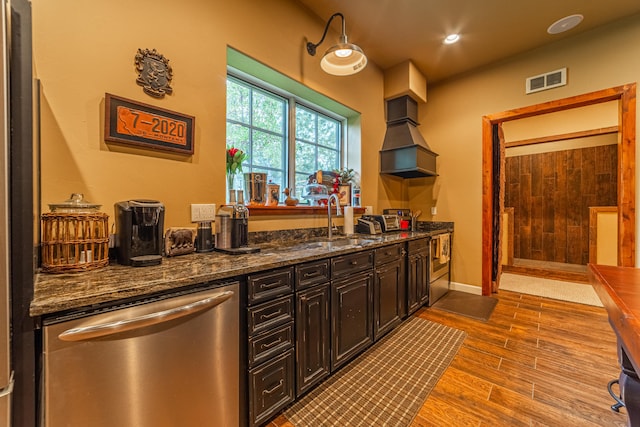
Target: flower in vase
x=235, y=157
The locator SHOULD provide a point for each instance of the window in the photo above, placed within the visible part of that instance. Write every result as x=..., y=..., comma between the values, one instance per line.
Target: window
x=317, y=146
x=288, y=151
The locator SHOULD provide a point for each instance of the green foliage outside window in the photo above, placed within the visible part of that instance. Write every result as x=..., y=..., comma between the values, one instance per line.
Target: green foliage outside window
x=257, y=123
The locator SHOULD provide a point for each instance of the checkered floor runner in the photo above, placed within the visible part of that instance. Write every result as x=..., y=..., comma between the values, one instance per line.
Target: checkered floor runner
x=386, y=385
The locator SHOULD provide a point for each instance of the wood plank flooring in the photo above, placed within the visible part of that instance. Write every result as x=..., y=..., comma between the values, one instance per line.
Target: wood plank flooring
x=536, y=362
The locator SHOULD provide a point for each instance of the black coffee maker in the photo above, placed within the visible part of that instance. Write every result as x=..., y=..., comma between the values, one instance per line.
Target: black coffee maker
x=139, y=225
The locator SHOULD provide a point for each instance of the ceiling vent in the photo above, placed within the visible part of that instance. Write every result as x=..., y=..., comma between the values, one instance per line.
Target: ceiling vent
x=546, y=81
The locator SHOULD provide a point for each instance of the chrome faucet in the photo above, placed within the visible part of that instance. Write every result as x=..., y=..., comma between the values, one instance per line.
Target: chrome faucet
x=334, y=196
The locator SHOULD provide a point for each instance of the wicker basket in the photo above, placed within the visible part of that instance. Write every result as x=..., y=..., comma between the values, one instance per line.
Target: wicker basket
x=74, y=242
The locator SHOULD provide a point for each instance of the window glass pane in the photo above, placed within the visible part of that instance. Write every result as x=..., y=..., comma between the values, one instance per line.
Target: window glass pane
x=238, y=102
x=268, y=150
x=305, y=158
x=268, y=112
x=328, y=132
x=238, y=136
x=305, y=125
x=328, y=159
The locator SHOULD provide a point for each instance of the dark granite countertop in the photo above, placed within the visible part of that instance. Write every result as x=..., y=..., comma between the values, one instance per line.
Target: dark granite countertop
x=57, y=293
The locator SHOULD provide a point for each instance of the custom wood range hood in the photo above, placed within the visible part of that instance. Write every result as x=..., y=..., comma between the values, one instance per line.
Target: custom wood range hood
x=405, y=153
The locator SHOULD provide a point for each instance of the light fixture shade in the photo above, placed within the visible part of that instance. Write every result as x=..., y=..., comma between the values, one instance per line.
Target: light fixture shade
x=335, y=62
x=342, y=59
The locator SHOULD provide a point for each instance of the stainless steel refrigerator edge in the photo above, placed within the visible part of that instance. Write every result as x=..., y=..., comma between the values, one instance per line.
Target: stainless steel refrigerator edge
x=6, y=373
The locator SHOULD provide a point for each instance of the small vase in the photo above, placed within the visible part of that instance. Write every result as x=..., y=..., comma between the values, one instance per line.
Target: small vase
x=231, y=192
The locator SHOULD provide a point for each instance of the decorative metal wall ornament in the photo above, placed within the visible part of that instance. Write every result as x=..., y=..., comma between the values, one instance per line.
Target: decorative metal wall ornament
x=154, y=73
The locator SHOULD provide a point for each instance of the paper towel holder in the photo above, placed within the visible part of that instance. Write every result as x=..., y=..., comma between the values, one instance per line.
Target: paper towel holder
x=348, y=221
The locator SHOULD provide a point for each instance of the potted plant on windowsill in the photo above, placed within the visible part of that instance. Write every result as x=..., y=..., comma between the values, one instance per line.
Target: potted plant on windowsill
x=343, y=183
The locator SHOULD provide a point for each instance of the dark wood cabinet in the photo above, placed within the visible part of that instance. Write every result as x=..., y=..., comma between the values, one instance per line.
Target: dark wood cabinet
x=264, y=286
x=389, y=283
x=264, y=346
x=351, y=264
x=417, y=274
x=312, y=273
x=266, y=316
x=351, y=318
x=313, y=338
x=270, y=344
x=306, y=321
x=271, y=385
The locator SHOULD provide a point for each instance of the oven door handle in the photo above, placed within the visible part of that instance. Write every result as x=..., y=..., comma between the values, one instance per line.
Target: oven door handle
x=117, y=326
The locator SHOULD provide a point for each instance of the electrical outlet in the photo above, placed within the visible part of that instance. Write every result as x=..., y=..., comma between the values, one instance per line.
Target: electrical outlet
x=203, y=212
x=434, y=210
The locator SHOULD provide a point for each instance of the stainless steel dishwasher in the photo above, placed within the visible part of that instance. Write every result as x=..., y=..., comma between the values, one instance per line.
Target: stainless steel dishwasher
x=166, y=362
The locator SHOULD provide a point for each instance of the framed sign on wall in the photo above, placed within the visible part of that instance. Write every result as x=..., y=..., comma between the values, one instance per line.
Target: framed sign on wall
x=134, y=123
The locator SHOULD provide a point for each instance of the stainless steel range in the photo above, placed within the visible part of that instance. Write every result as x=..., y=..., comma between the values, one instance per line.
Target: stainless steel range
x=439, y=266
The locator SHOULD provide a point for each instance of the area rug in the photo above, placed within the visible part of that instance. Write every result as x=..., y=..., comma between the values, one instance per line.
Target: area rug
x=470, y=305
x=386, y=385
x=549, y=288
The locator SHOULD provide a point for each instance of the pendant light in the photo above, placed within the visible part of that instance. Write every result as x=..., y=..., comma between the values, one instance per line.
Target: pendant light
x=344, y=58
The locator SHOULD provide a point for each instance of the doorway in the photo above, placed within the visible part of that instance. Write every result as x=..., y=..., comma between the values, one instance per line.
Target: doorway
x=493, y=169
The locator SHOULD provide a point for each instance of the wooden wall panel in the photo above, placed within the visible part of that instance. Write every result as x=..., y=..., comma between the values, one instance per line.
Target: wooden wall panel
x=551, y=194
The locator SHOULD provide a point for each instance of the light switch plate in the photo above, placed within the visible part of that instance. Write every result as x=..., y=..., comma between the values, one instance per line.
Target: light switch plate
x=203, y=212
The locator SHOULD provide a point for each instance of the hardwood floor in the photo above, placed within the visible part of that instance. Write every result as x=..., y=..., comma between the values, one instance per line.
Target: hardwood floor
x=536, y=362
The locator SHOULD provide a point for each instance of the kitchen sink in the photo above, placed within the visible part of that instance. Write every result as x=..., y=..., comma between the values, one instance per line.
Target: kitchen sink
x=324, y=243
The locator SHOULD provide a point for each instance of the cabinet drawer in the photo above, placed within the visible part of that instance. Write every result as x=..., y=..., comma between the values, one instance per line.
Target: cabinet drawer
x=270, y=314
x=417, y=245
x=312, y=273
x=389, y=253
x=352, y=263
x=271, y=388
x=263, y=346
x=263, y=286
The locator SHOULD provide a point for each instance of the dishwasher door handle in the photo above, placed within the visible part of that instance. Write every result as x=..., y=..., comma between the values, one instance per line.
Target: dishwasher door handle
x=117, y=326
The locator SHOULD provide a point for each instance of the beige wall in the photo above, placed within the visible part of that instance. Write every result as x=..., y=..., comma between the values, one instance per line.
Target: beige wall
x=451, y=123
x=84, y=49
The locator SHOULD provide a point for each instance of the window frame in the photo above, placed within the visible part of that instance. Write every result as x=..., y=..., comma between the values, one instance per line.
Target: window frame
x=290, y=137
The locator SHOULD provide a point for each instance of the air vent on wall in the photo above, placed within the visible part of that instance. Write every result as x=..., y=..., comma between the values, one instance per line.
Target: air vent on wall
x=546, y=81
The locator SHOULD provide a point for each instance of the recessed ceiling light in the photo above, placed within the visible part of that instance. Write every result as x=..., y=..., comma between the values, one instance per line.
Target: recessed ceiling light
x=564, y=24
x=451, y=38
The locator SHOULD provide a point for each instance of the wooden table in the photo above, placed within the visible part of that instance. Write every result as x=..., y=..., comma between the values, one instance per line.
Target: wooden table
x=619, y=290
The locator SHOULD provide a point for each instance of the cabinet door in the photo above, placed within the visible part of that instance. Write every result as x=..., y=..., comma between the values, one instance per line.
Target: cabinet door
x=423, y=278
x=271, y=388
x=387, y=297
x=312, y=337
x=412, y=283
x=351, y=319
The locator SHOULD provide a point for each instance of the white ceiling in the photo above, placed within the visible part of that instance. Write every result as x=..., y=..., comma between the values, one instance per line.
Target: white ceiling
x=392, y=31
